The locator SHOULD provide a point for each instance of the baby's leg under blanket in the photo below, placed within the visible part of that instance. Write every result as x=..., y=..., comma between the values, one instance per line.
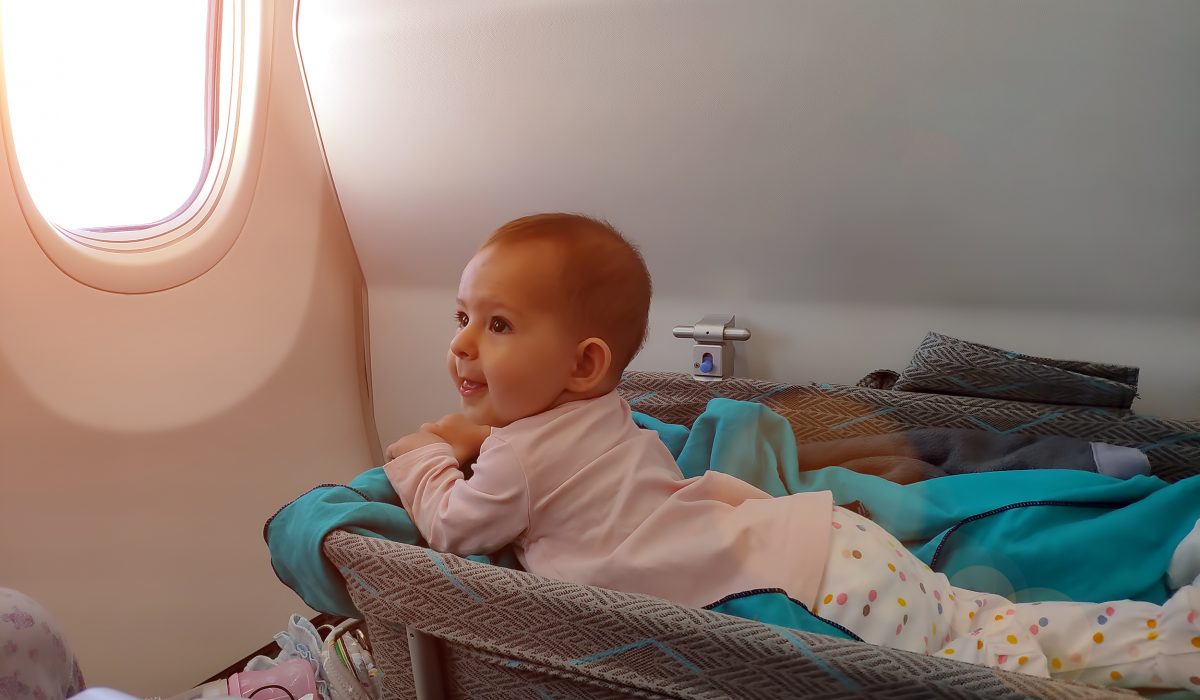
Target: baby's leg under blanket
x=1125, y=643
x=880, y=591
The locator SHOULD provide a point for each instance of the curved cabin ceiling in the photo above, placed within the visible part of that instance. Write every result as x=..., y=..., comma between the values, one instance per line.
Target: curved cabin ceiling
x=970, y=153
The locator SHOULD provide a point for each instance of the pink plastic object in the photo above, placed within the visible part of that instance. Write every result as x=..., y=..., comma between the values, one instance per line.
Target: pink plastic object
x=294, y=674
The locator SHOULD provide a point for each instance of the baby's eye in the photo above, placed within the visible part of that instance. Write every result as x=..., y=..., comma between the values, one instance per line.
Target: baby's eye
x=461, y=319
x=499, y=325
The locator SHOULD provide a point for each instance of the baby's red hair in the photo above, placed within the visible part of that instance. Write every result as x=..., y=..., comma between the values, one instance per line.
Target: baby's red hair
x=606, y=285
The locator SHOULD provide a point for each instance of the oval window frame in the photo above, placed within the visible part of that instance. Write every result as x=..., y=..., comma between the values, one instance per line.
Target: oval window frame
x=184, y=246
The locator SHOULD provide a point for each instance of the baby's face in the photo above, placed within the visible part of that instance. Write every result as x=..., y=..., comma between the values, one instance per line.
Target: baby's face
x=513, y=353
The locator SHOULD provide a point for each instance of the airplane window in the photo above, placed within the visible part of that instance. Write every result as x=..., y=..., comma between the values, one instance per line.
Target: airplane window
x=111, y=108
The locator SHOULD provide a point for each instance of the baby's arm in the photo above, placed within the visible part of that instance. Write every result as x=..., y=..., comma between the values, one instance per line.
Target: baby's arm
x=457, y=515
x=464, y=437
x=410, y=442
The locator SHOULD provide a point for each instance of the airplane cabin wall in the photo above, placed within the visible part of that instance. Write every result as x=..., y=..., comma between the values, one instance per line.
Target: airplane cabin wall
x=147, y=438
x=843, y=175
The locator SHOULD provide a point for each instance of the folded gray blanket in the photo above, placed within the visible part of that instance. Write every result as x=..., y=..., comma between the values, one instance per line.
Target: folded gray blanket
x=926, y=453
x=946, y=365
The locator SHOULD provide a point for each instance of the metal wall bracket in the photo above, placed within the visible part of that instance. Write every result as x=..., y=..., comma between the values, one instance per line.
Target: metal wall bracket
x=712, y=355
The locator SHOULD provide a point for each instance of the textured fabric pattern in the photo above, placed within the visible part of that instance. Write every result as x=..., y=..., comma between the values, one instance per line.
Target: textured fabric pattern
x=513, y=634
x=819, y=412
x=946, y=365
x=879, y=379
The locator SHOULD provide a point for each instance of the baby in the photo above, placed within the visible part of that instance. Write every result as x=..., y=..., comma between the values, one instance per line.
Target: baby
x=551, y=309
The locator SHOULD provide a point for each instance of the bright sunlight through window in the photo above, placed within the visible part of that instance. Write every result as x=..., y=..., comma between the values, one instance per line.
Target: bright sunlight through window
x=108, y=103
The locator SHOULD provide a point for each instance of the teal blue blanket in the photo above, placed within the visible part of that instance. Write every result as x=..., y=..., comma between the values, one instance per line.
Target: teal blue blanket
x=1031, y=535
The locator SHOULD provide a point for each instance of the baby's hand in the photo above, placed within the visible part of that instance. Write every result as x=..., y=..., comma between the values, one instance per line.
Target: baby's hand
x=410, y=442
x=464, y=436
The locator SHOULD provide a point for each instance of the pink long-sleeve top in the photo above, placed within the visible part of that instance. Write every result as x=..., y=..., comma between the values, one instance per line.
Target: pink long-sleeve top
x=585, y=495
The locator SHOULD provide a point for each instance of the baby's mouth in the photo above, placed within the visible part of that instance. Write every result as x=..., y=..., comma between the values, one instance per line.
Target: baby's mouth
x=468, y=387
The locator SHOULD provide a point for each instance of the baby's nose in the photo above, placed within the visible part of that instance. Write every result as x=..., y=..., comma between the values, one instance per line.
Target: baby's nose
x=462, y=345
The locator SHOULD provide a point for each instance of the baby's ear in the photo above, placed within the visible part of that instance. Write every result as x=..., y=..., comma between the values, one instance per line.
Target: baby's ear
x=593, y=360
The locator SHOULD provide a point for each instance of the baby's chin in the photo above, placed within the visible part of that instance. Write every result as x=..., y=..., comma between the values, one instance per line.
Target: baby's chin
x=480, y=417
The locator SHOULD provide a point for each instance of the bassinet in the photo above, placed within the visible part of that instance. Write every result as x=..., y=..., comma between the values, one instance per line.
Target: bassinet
x=482, y=631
